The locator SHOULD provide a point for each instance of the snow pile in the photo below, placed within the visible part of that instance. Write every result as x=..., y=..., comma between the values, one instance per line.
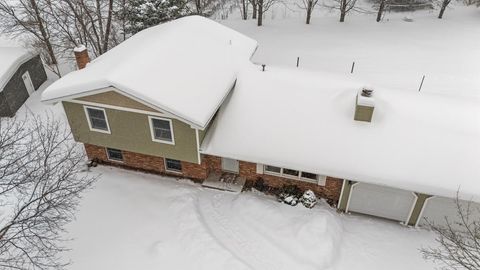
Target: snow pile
x=303, y=120
x=10, y=60
x=185, y=67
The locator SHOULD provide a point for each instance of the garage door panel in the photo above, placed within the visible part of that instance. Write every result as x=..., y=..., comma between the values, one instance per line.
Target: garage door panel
x=437, y=208
x=381, y=201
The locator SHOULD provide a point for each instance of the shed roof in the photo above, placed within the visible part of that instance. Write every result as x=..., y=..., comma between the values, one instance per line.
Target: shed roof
x=185, y=67
x=10, y=60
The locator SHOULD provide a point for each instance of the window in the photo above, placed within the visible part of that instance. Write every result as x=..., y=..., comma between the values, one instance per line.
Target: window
x=162, y=130
x=290, y=172
x=173, y=165
x=114, y=154
x=309, y=175
x=97, y=119
x=273, y=169
x=295, y=174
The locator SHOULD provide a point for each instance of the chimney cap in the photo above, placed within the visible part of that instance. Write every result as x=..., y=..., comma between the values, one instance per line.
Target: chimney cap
x=80, y=48
x=367, y=91
x=365, y=97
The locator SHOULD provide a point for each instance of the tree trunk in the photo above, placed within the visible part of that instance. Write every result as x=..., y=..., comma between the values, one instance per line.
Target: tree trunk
x=254, y=7
x=309, y=11
x=343, y=10
x=45, y=37
x=442, y=9
x=109, y=26
x=260, y=13
x=380, y=10
x=198, y=6
x=244, y=10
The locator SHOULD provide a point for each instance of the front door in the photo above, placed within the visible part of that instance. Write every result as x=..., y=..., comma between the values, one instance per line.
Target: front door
x=230, y=165
x=28, y=83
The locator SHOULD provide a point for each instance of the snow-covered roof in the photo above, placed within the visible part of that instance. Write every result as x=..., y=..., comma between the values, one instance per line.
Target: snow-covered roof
x=10, y=60
x=185, y=67
x=304, y=120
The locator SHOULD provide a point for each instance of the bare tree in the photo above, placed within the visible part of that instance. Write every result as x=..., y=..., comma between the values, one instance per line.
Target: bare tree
x=458, y=239
x=308, y=6
x=254, y=8
x=443, y=6
x=41, y=181
x=244, y=9
x=344, y=6
x=56, y=27
x=24, y=16
x=262, y=7
x=381, y=9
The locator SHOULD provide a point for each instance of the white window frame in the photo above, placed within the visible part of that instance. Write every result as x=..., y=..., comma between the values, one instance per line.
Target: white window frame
x=170, y=170
x=320, y=180
x=152, y=133
x=85, y=108
x=114, y=160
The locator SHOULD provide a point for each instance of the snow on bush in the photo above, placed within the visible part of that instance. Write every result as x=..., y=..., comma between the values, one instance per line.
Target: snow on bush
x=309, y=199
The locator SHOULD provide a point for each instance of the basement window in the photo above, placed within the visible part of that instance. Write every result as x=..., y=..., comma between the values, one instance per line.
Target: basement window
x=97, y=119
x=114, y=154
x=173, y=165
x=161, y=129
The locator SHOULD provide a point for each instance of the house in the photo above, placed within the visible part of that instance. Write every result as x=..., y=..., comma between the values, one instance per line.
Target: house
x=184, y=99
x=21, y=73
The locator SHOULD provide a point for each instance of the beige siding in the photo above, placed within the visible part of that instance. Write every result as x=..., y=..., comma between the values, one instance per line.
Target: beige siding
x=131, y=131
x=116, y=99
x=347, y=189
x=417, y=209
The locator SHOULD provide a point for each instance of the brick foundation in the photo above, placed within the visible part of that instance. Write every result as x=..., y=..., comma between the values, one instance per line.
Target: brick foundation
x=146, y=163
x=199, y=172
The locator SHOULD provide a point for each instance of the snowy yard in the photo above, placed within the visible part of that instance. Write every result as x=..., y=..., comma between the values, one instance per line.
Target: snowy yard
x=138, y=221
x=392, y=54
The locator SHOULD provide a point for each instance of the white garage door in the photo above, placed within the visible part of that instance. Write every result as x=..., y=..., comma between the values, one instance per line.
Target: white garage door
x=437, y=208
x=381, y=201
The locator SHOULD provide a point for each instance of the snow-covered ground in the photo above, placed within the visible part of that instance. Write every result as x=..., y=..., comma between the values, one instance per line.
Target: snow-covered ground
x=392, y=54
x=138, y=221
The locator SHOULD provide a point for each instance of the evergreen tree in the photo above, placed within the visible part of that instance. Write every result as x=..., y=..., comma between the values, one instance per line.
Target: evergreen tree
x=141, y=14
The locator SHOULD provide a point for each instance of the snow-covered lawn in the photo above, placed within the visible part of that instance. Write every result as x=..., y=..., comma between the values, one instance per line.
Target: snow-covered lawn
x=392, y=54
x=132, y=220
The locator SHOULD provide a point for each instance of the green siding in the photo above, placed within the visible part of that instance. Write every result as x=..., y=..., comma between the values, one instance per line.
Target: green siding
x=131, y=132
x=347, y=188
x=417, y=209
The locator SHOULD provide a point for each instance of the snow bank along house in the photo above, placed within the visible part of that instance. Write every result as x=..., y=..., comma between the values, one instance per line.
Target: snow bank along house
x=21, y=73
x=184, y=99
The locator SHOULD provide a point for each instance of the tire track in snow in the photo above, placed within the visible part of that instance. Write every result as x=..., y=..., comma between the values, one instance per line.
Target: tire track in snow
x=260, y=254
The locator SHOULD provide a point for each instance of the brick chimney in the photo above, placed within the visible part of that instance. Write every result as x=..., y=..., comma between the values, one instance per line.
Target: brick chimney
x=81, y=55
x=365, y=104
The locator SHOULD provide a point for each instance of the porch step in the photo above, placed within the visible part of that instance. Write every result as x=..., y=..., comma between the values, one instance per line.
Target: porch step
x=225, y=181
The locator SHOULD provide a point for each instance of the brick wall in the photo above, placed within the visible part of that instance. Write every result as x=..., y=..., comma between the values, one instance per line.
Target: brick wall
x=331, y=191
x=198, y=172
x=147, y=163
